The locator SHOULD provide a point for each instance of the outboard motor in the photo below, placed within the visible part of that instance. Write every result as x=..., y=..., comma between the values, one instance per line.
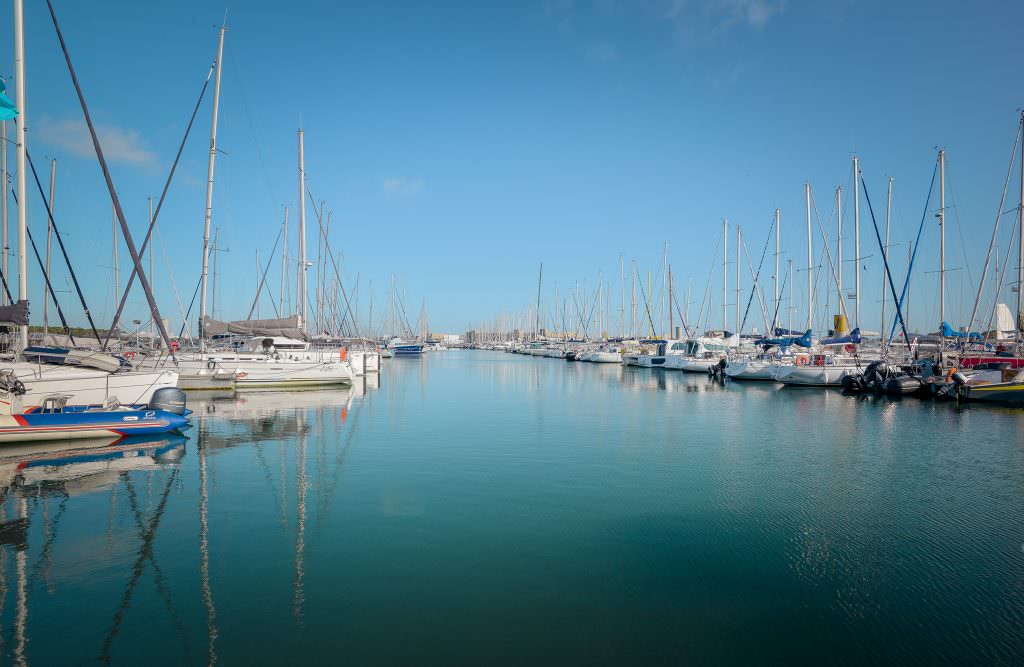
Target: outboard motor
x=170, y=399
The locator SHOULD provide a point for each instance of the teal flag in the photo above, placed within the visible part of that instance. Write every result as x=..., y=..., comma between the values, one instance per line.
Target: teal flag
x=7, y=109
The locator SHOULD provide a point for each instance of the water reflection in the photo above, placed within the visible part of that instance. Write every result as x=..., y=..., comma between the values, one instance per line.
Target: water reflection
x=612, y=503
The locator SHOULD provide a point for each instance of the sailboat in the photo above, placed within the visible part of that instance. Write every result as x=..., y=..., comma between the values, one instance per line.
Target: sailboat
x=85, y=377
x=277, y=353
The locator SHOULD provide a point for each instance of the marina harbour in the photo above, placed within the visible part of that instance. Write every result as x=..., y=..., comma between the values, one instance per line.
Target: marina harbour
x=649, y=516
x=539, y=332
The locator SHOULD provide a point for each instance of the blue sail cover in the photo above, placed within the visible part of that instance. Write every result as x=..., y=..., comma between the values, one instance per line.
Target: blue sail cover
x=800, y=341
x=779, y=331
x=948, y=332
x=853, y=337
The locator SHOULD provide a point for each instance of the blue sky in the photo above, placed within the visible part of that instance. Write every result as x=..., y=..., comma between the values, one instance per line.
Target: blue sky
x=460, y=144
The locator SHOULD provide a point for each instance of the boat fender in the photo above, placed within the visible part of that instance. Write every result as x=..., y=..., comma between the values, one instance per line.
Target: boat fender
x=958, y=378
x=211, y=364
x=950, y=373
x=343, y=353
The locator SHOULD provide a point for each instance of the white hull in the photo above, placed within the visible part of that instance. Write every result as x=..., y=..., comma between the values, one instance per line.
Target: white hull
x=698, y=365
x=754, y=369
x=814, y=376
x=256, y=371
x=605, y=357
x=90, y=386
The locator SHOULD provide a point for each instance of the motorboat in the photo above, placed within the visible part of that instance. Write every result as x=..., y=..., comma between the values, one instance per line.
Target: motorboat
x=55, y=419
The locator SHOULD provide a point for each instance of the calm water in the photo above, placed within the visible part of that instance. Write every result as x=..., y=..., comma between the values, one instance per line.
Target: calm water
x=477, y=507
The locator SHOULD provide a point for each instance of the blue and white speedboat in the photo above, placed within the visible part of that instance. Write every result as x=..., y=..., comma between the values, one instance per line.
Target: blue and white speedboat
x=54, y=419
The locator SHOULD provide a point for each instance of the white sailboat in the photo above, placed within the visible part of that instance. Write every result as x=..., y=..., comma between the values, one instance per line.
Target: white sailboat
x=264, y=361
x=88, y=378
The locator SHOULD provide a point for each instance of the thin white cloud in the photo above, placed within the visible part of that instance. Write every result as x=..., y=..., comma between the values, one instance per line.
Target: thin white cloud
x=696, y=22
x=401, y=187
x=119, y=144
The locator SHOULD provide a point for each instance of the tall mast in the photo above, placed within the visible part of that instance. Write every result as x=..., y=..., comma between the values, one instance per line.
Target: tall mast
x=540, y=279
x=301, y=296
x=885, y=252
x=622, y=297
x=3, y=208
x=632, y=305
x=810, y=260
x=739, y=246
x=113, y=226
x=671, y=322
x=942, y=239
x=284, y=262
x=1020, y=245
x=152, y=326
x=839, y=242
x=209, y=190
x=790, y=281
x=49, y=247
x=21, y=138
x=725, y=275
x=664, y=286
x=856, y=242
x=778, y=234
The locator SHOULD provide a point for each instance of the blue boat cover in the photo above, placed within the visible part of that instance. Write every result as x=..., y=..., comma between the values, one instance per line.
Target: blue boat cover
x=853, y=337
x=800, y=341
x=948, y=332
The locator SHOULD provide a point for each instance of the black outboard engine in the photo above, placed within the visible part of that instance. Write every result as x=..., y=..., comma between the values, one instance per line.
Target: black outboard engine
x=170, y=399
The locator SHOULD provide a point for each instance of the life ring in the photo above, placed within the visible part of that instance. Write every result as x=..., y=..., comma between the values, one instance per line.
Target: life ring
x=211, y=364
x=801, y=361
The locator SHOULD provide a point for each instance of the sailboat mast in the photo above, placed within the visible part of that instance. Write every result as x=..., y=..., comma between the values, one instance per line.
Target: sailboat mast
x=152, y=277
x=739, y=244
x=671, y=322
x=3, y=208
x=725, y=275
x=49, y=247
x=810, y=260
x=209, y=190
x=942, y=238
x=885, y=251
x=632, y=304
x=622, y=297
x=839, y=241
x=778, y=234
x=113, y=227
x=301, y=297
x=790, y=280
x=284, y=262
x=21, y=147
x=856, y=242
x=1020, y=245
x=540, y=280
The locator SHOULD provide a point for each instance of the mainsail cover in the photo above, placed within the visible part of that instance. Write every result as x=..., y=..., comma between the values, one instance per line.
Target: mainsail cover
x=853, y=337
x=16, y=314
x=948, y=332
x=283, y=326
x=800, y=341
